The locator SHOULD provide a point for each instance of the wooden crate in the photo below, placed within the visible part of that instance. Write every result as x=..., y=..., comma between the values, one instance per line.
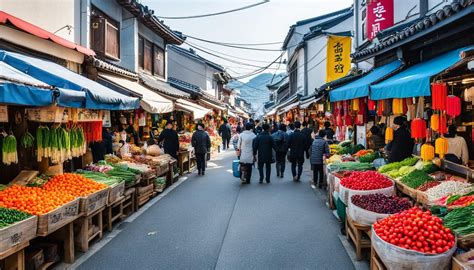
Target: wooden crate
x=116, y=192
x=375, y=261
x=149, y=174
x=465, y=241
x=14, y=258
x=56, y=219
x=411, y=192
x=129, y=202
x=18, y=233
x=162, y=169
x=113, y=213
x=356, y=233
x=90, y=227
x=144, y=194
x=94, y=201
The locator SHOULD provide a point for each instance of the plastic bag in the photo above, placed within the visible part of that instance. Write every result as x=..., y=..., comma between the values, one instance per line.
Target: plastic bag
x=362, y=216
x=397, y=258
x=345, y=193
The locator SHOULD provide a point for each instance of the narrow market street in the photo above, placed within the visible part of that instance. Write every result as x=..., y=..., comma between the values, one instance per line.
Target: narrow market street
x=212, y=222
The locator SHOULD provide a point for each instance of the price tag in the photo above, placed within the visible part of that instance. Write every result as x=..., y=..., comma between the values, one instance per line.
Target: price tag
x=3, y=113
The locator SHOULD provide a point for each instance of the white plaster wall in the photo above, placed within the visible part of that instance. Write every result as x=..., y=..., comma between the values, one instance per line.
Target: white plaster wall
x=186, y=69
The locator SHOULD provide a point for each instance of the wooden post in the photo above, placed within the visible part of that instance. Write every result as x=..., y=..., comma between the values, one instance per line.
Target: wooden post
x=68, y=243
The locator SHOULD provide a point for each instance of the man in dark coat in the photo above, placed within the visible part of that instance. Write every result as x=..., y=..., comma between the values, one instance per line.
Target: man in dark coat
x=281, y=148
x=202, y=144
x=298, y=147
x=225, y=133
x=329, y=131
x=238, y=129
x=307, y=133
x=264, y=145
x=169, y=138
x=402, y=145
x=319, y=149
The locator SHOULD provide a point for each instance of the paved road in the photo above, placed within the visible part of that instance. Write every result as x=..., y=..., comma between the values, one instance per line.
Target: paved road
x=212, y=222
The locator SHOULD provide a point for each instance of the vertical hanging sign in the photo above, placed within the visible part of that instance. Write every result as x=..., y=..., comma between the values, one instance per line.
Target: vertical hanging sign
x=379, y=16
x=338, y=57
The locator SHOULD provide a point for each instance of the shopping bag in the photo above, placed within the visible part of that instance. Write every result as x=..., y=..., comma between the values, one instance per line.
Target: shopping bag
x=236, y=168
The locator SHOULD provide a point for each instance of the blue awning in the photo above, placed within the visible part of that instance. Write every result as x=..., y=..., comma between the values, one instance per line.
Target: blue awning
x=415, y=80
x=18, y=94
x=360, y=87
x=97, y=96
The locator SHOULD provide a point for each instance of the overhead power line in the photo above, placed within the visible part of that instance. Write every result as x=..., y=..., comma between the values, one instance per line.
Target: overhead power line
x=234, y=46
x=213, y=14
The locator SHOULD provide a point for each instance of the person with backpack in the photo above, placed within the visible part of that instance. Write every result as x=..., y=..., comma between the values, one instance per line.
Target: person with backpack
x=281, y=149
x=319, y=149
x=263, y=145
x=225, y=133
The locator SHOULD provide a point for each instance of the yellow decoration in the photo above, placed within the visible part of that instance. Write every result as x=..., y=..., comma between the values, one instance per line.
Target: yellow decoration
x=388, y=135
x=397, y=106
x=434, y=120
x=338, y=57
x=355, y=104
x=441, y=147
x=427, y=152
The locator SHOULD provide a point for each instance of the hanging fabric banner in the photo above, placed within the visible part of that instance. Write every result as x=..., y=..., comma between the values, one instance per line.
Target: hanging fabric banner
x=338, y=57
x=379, y=16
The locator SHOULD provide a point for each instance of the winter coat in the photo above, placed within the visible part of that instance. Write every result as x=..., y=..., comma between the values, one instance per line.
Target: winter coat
x=297, y=144
x=307, y=132
x=201, y=142
x=329, y=133
x=281, y=141
x=401, y=147
x=245, y=145
x=377, y=142
x=264, y=145
x=224, y=131
x=319, y=148
x=170, y=140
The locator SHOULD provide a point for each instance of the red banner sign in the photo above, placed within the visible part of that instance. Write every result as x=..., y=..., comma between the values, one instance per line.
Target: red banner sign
x=379, y=16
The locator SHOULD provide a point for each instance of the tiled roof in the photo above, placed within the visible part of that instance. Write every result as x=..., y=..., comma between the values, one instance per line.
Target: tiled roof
x=277, y=84
x=185, y=86
x=162, y=87
x=145, y=15
x=340, y=81
x=433, y=21
x=191, y=53
x=113, y=68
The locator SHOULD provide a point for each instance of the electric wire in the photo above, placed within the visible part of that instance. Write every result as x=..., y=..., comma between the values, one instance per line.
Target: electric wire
x=234, y=46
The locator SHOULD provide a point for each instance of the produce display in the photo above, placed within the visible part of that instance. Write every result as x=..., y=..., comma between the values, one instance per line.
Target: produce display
x=369, y=157
x=350, y=166
x=381, y=203
x=27, y=140
x=73, y=184
x=447, y=188
x=334, y=158
x=33, y=200
x=397, y=165
x=369, y=180
x=428, y=185
x=92, y=131
x=11, y=216
x=9, y=151
x=60, y=144
x=416, y=230
x=462, y=201
x=100, y=177
x=416, y=178
x=461, y=220
x=347, y=147
x=184, y=141
x=363, y=152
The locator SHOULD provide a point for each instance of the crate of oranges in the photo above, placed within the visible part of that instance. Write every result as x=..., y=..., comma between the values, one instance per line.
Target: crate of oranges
x=93, y=195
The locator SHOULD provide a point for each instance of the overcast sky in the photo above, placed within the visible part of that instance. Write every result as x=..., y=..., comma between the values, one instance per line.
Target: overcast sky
x=264, y=23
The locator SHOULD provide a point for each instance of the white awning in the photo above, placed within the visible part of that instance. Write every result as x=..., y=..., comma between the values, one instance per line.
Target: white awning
x=288, y=107
x=212, y=105
x=239, y=110
x=271, y=112
x=231, y=114
x=198, y=111
x=309, y=102
x=151, y=102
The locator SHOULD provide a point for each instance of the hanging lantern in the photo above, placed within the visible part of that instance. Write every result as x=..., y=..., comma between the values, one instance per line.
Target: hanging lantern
x=380, y=107
x=371, y=105
x=441, y=147
x=443, y=127
x=453, y=106
x=439, y=94
x=427, y=152
x=418, y=128
x=397, y=106
x=355, y=104
x=434, y=122
x=388, y=135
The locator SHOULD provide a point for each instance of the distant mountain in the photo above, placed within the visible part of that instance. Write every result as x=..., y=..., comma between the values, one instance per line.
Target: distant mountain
x=255, y=90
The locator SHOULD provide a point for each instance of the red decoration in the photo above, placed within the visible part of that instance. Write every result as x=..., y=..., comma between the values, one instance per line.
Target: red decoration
x=439, y=93
x=453, y=106
x=418, y=128
x=348, y=120
x=380, y=107
x=371, y=105
x=443, y=127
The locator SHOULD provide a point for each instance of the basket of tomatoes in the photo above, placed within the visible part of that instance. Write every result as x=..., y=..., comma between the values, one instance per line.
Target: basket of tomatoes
x=363, y=183
x=413, y=239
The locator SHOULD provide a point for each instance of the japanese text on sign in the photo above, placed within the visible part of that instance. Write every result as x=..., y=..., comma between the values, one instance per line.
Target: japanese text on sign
x=379, y=16
x=338, y=57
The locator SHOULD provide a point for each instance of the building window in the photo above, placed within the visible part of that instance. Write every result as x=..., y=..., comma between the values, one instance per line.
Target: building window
x=293, y=78
x=151, y=58
x=105, y=34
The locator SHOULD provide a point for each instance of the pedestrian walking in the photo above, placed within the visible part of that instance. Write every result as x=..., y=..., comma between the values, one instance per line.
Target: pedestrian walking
x=258, y=127
x=319, y=149
x=281, y=149
x=291, y=128
x=238, y=129
x=202, y=145
x=245, y=150
x=169, y=138
x=309, y=139
x=297, y=147
x=263, y=145
x=402, y=145
x=225, y=133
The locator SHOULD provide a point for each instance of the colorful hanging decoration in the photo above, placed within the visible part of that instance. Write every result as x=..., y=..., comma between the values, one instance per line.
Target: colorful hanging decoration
x=355, y=104
x=441, y=147
x=348, y=119
x=371, y=105
x=434, y=121
x=380, y=107
x=418, y=128
x=439, y=94
x=397, y=105
x=388, y=135
x=453, y=106
x=387, y=107
x=443, y=127
x=427, y=152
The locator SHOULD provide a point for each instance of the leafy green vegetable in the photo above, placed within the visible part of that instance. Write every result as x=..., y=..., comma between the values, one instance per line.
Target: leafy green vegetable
x=416, y=178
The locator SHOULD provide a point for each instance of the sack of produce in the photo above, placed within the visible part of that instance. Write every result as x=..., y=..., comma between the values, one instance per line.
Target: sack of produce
x=402, y=242
x=363, y=183
x=368, y=209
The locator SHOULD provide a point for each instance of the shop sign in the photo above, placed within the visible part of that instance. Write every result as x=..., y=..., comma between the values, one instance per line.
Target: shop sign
x=106, y=121
x=338, y=57
x=320, y=107
x=379, y=16
x=361, y=135
x=3, y=113
x=51, y=114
